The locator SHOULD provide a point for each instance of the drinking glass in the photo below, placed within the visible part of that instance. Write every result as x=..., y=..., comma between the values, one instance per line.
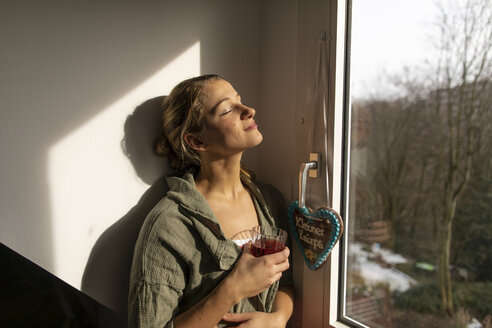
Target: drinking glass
x=243, y=237
x=267, y=240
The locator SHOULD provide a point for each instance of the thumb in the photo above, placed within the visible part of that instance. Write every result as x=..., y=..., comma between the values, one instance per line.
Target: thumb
x=247, y=248
x=236, y=317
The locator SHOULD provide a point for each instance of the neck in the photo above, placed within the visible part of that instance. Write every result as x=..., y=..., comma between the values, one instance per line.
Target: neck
x=220, y=177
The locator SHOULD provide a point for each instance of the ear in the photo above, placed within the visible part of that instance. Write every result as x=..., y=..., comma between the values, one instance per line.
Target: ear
x=194, y=142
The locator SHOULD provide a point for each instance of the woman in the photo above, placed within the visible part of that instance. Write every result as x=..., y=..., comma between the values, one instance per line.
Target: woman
x=186, y=270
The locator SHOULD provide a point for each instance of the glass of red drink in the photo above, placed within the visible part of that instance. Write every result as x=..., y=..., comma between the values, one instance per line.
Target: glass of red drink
x=267, y=240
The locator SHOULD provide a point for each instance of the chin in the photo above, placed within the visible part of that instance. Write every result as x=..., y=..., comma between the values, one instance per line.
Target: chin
x=259, y=139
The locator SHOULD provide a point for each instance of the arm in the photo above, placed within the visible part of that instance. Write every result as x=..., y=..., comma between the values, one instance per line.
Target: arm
x=283, y=305
x=209, y=310
x=250, y=276
x=282, y=310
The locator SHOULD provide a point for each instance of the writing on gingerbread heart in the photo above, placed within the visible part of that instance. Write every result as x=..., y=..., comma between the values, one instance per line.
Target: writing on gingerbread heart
x=316, y=232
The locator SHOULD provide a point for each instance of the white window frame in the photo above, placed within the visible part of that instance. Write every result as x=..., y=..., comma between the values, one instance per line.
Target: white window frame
x=320, y=293
x=335, y=285
x=339, y=107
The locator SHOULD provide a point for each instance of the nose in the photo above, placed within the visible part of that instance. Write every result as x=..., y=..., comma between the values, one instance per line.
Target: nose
x=247, y=112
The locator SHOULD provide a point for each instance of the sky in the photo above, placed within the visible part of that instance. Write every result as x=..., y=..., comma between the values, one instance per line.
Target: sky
x=388, y=35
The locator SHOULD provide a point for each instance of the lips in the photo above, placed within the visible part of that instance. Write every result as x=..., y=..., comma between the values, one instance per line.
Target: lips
x=252, y=126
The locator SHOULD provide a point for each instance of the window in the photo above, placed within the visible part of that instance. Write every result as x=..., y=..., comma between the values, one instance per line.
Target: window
x=418, y=238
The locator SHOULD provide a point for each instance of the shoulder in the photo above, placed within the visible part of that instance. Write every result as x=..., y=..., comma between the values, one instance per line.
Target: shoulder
x=165, y=223
x=165, y=233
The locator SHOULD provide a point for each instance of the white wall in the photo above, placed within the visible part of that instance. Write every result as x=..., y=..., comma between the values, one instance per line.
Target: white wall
x=277, y=93
x=73, y=75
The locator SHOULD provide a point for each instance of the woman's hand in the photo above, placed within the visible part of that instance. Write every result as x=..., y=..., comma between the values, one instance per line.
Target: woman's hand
x=255, y=320
x=249, y=277
x=252, y=275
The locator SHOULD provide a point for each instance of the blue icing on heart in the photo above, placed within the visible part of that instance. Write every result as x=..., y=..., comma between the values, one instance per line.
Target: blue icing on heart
x=329, y=217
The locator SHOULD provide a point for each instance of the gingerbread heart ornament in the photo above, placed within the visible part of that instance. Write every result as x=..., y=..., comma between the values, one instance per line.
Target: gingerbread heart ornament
x=316, y=232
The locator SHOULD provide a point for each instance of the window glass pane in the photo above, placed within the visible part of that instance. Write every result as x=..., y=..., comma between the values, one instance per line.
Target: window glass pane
x=419, y=228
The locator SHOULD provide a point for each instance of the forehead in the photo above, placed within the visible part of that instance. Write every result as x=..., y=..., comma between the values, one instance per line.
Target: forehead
x=218, y=90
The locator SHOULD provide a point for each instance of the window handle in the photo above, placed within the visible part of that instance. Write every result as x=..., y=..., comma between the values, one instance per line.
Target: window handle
x=303, y=173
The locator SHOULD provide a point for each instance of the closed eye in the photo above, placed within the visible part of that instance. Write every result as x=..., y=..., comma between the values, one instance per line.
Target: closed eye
x=227, y=111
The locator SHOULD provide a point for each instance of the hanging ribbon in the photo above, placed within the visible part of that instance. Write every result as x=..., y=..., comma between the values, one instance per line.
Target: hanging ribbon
x=317, y=192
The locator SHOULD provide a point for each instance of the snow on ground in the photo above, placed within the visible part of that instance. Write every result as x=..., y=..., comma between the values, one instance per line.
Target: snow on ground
x=374, y=273
x=474, y=324
x=387, y=255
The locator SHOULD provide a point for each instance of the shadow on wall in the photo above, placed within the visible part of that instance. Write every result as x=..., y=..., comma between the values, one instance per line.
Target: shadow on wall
x=107, y=273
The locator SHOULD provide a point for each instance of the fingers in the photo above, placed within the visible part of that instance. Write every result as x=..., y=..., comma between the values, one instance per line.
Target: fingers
x=258, y=273
x=282, y=266
x=247, y=247
x=278, y=261
x=279, y=256
x=237, y=317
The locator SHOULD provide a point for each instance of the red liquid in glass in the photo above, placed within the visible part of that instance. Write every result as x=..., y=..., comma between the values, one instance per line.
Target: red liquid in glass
x=265, y=247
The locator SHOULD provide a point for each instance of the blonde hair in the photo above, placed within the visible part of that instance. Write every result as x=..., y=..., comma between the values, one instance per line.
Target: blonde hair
x=182, y=113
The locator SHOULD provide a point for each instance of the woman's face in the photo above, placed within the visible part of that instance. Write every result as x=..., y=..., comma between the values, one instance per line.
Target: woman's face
x=230, y=127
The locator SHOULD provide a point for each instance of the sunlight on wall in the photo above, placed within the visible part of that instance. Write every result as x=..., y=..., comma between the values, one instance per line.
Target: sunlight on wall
x=92, y=183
